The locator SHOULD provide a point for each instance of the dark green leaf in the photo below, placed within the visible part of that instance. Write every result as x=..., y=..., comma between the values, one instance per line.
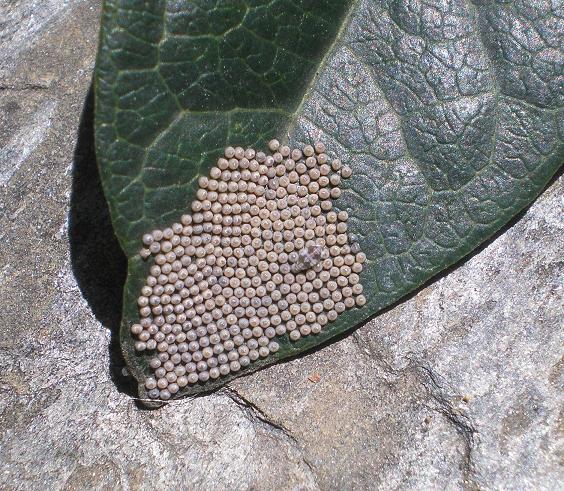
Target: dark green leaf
x=449, y=114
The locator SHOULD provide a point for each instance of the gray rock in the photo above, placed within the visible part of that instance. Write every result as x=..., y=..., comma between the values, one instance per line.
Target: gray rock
x=458, y=386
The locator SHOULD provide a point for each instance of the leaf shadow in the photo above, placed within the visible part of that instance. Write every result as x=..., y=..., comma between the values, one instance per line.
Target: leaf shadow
x=98, y=263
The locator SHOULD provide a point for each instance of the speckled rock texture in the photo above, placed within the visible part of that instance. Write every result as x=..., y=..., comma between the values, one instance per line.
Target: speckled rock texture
x=457, y=387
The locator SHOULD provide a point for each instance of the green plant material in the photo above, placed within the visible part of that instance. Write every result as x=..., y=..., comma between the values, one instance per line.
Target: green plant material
x=449, y=115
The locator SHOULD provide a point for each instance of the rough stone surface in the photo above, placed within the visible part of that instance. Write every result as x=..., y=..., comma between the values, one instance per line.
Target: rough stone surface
x=457, y=387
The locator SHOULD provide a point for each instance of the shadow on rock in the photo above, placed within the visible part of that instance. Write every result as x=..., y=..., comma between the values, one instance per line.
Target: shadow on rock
x=98, y=263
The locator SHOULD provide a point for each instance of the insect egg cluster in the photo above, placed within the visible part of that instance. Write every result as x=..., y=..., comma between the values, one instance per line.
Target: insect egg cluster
x=263, y=254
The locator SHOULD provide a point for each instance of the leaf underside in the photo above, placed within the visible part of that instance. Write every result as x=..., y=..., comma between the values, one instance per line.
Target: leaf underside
x=450, y=116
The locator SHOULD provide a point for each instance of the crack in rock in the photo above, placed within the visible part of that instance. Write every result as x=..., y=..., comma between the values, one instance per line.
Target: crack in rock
x=437, y=388
x=458, y=418
x=255, y=413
